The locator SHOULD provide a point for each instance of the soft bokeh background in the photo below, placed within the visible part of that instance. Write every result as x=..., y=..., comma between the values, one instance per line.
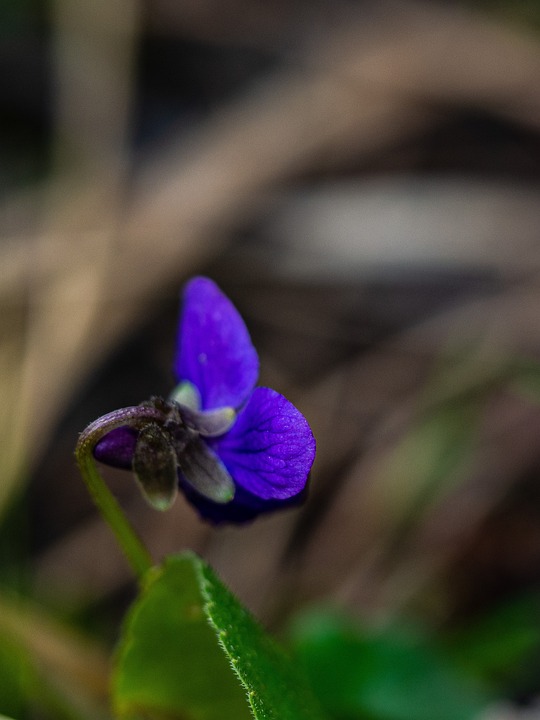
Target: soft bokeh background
x=361, y=178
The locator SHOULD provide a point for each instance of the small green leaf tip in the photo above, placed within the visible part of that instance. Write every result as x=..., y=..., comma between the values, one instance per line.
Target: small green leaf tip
x=186, y=394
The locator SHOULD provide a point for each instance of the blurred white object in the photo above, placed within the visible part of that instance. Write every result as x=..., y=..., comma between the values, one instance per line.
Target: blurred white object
x=511, y=712
x=345, y=230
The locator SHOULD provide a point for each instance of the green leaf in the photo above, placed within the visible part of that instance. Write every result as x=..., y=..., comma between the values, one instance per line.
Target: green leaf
x=15, y=678
x=496, y=647
x=383, y=674
x=190, y=651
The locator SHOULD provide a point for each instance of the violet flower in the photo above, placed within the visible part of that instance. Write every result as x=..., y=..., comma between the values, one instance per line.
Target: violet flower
x=236, y=451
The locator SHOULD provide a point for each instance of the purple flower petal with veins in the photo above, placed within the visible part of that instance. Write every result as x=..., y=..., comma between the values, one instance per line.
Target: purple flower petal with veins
x=241, y=451
x=214, y=348
x=269, y=447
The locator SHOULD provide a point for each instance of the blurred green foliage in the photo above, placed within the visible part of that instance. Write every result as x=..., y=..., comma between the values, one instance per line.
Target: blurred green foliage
x=525, y=12
x=392, y=673
x=496, y=647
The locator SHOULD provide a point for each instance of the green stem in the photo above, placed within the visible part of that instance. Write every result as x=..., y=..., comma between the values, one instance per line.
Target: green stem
x=132, y=546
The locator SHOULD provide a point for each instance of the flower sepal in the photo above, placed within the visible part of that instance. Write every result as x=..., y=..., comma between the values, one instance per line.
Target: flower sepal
x=154, y=466
x=160, y=438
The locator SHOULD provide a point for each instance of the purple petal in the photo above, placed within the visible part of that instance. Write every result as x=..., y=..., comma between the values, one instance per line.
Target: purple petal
x=117, y=448
x=215, y=351
x=270, y=449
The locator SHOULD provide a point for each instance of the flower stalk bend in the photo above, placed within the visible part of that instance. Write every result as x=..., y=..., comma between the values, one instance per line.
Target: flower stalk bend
x=136, y=553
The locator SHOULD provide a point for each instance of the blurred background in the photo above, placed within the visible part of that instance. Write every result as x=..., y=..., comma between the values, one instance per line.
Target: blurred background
x=361, y=178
